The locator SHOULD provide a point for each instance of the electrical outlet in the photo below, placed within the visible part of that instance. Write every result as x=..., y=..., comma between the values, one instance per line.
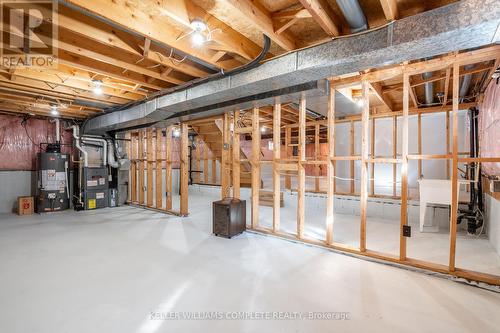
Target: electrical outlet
x=407, y=231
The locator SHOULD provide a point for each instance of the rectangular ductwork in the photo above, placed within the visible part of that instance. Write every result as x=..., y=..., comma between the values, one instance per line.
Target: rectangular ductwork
x=458, y=26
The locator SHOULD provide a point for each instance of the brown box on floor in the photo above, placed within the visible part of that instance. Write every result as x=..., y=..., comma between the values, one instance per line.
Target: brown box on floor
x=25, y=205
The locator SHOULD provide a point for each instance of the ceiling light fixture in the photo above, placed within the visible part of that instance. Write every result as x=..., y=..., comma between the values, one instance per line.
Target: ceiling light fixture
x=53, y=110
x=176, y=132
x=97, y=87
x=360, y=102
x=198, y=25
x=198, y=38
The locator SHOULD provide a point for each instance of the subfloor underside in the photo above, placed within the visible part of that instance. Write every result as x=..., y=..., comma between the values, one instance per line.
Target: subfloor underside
x=127, y=269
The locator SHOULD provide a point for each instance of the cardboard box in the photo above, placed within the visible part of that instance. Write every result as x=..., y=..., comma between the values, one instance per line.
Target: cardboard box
x=25, y=205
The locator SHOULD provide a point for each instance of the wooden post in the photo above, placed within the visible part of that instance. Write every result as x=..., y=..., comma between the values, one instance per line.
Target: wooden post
x=141, y=167
x=288, y=153
x=316, y=157
x=159, y=167
x=276, y=158
x=236, y=156
x=372, y=147
x=394, y=154
x=149, y=152
x=454, y=169
x=133, y=167
x=205, y=163
x=404, y=166
x=197, y=166
x=419, y=143
x=330, y=167
x=168, y=164
x=447, y=144
x=255, y=167
x=225, y=160
x=184, y=170
x=214, y=170
x=301, y=168
x=365, y=131
x=351, y=153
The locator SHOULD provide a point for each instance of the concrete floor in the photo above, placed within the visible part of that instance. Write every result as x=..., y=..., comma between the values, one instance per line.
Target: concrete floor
x=108, y=270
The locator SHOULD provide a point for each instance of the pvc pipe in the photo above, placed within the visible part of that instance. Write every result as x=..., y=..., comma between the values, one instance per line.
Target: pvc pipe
x=58, y=131
x=79, y=147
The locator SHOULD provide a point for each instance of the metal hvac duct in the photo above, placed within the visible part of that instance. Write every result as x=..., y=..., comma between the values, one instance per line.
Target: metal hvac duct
x=353, y=14
x=464, y=88
x=428, y=88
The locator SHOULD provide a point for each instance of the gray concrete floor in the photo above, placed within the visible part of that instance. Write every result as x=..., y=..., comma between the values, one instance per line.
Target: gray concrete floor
x=108, y=270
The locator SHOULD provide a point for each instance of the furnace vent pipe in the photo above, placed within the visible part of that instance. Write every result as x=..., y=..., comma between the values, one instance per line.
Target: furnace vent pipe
x=353, y=14
x=79, y=147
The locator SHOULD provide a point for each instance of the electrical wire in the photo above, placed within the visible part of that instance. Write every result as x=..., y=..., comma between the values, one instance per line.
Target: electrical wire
x=23, y=124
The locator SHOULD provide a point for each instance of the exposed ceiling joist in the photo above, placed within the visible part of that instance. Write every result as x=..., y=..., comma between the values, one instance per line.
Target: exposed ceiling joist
x=134, y=17
x=390, y=8
x=262, y=19
x=321, y=12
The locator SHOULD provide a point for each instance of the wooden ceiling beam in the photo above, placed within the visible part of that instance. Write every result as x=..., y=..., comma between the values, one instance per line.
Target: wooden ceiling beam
x=390, y=8
x=33, y=85
x=259, y=16
x=323, y=15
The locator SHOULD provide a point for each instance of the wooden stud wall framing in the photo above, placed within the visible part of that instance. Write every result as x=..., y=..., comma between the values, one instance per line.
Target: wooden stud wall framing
x=146, y=147
x=288, y=155
x=287, y=164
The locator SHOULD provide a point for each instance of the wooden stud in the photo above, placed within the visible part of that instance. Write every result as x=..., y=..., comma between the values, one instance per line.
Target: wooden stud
x=404, y=166
x=316, y=157
x=255, y=167
x=419, y=144
x=351, y=153
x=205, y=163
x=214, y=170
x=236, y=157
x=447, y=143
x=197, y=161
x=226, y=158
x=141, y=167
x=276, y=158
x=365, y=128
x=184, y=170
x=330, y=167
x=149, y=152
x=372, y=149
x=159, y=169
x=168, y=164
x=133, y=167
x=301, y=169
x=454, y=169
x=288, y=154
x=394, y=154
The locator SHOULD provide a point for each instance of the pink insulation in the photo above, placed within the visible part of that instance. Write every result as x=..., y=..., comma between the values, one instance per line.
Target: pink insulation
x=17, y=150
x=489, y=127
